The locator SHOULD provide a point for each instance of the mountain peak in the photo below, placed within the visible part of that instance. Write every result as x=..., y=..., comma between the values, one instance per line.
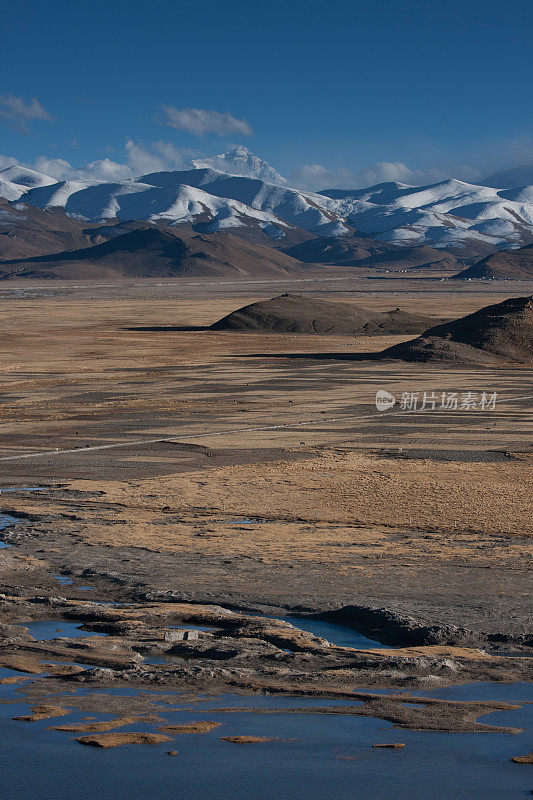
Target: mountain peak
x=240, y=161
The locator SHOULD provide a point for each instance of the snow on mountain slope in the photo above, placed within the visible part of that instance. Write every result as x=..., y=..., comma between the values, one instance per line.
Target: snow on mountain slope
x=524, y=195
x=25, y=177
x=182, y=196
x=9, y=190
x=305, y=210
x=190, y=202
x=446, y=214
x=173, y=202
x=55, y=195
x=96, y=200
x=451, y=214
x=239, y=161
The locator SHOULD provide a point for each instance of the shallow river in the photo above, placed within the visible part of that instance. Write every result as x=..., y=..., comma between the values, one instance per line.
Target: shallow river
x=330, y=758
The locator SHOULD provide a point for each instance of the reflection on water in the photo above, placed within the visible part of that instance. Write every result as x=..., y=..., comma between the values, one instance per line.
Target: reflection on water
x=342, y=635
x=311, y=757
x=43, y=630
x=167, y=658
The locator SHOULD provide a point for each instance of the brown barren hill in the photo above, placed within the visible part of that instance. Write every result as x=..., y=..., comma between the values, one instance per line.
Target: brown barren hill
x=505, y=265
x=27, y=232
x=501, y=332
x=293, y=313
x=153, y=252
x=357, y=251
x=340, y=250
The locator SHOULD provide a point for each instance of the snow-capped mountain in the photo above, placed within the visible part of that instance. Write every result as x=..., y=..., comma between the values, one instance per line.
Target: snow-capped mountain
x=451, y=214
x=173, y=202
x=240, y=161
x=286, y=206
x=223, y=200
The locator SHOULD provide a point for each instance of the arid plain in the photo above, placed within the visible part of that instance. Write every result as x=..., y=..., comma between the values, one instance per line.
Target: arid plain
x=160, y=440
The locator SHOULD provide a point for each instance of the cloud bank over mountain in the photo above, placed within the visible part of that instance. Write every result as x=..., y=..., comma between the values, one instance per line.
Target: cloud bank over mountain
x=140, y=159
x=157, y=157
x=315, y=176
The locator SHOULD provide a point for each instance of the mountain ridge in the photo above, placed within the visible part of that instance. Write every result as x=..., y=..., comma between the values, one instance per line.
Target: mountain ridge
x=466, y=219
x=148, y=252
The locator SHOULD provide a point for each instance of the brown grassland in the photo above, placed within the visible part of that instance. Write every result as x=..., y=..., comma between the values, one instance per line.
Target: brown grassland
x=257, y=465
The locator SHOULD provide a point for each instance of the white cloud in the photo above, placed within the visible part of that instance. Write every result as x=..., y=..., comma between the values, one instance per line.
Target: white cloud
x=161, y=156
x=55, y=167
x=488, y=157
x=103, y=170
x=311, y=176
x=17, y=112
x=107, y=170
x=315, y=176
x=200, y=121
x=174, y=156
x=142, y=160
x=385, y=171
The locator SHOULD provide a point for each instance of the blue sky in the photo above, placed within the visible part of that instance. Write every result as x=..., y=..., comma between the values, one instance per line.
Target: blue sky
x=325, y=91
